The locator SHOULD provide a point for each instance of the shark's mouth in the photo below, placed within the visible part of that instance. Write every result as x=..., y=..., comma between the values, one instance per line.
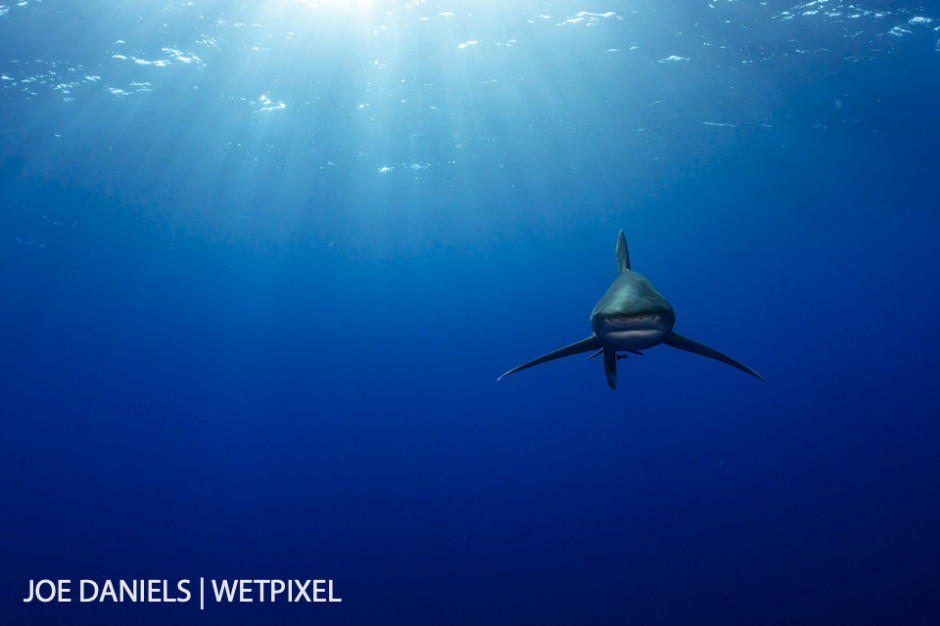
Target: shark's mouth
x=633, y=332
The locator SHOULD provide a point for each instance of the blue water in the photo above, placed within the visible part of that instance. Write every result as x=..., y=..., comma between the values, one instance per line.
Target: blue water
x=261, y=264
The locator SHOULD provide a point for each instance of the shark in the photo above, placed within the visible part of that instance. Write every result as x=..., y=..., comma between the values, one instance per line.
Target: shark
x=631, y=316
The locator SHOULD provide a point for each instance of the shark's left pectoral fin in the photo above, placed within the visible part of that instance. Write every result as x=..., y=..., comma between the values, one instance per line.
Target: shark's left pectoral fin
x=591, y=343
x=682, y=343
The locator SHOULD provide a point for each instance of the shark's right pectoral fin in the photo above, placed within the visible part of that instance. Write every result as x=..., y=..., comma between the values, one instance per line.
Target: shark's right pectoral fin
x=591, y=343
x=682, y=343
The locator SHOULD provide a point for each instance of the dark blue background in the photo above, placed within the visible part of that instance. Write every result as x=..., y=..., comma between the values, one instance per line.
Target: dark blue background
x=248, y=343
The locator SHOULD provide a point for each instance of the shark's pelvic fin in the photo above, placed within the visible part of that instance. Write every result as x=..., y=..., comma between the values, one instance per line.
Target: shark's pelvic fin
x=623, y=255
x=591, y=343
x=621, y=356
x=610, y=367
x=682, y=343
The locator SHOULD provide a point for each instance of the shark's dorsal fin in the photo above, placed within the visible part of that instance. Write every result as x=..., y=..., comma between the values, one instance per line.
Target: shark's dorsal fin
x=623, y=255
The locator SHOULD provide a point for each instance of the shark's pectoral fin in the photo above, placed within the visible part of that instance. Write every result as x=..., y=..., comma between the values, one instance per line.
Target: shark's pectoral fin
x=610, y=367
x=678, y=341
x=591, y=343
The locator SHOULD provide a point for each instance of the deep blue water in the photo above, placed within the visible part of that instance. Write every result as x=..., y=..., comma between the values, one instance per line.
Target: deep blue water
x=261, y=264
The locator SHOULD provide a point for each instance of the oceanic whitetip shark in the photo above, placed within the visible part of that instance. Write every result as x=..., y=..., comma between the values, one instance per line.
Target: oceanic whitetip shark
x=632, y=316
